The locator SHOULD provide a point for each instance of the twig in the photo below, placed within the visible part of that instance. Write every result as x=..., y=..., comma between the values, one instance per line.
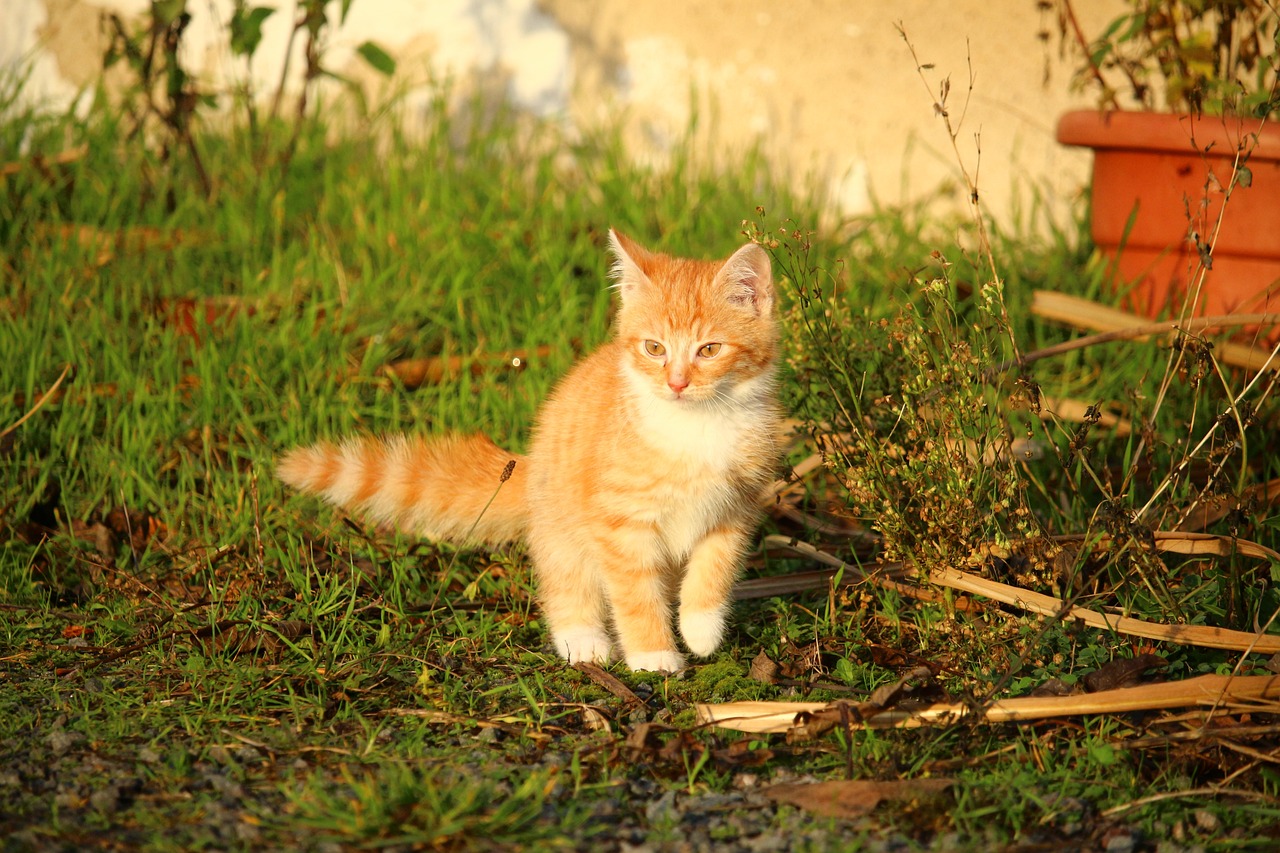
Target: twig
x=1197, y=324
x=1190, y=792
x=1070, y=15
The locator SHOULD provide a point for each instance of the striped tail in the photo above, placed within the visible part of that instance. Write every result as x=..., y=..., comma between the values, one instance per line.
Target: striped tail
x=460, y=489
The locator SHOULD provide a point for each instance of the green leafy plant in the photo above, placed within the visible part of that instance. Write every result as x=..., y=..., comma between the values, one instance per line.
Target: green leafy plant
x=163, y=100
x=1187, y=56
x=162, y=89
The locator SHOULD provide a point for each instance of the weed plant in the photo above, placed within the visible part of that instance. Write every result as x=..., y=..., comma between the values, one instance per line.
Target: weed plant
x=942, y=423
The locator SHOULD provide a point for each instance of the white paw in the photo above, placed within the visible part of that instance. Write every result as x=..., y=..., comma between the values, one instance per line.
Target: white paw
x=702, y=630
x=579, y=644
x=668, y=661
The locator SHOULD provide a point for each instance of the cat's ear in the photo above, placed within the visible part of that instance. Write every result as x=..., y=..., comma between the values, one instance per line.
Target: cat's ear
x=747, y=278
x=625, y=273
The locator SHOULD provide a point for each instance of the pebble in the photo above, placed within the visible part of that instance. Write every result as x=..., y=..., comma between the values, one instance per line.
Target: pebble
x=60, y=741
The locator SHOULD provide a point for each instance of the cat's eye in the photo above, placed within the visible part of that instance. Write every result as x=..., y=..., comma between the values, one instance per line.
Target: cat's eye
x=708, y=350
x=654, y=348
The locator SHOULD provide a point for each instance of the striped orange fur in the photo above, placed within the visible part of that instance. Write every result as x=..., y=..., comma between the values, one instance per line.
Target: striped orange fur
x=640, y=490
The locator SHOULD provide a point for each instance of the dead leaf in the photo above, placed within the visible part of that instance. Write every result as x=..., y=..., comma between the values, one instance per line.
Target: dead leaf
x=102, y=537
x=608, y=682
x=642, y=739
x=188, y=315
x=1054, y=687
x=137, y=527
x=594, y=719
x=1122, y=673
x=416, y=372
x=887, y=695
x=742, y=753
x=763, y=668
x=813, y=724
x=853, y=798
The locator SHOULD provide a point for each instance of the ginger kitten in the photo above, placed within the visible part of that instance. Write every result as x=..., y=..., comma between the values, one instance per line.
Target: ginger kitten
x=641, y=486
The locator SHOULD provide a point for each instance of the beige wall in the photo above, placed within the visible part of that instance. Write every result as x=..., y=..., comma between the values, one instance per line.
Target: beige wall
x=828, y=88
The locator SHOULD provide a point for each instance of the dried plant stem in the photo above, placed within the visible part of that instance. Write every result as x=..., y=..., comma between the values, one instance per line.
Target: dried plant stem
x=1056, y=608
x=1205, y=690
x=1069, y=16
x=971, y=182
x=1083, y=313
x=448, y=572
x=44, y=398
x=1173, y=475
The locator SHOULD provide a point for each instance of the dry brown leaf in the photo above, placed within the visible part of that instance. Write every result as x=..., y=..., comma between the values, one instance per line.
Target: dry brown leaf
x=763, y=668
x=853, y=798
x=852, y=714
x=608, y=682
x=643, y=739
x=742, y=753
x=594, y=719
x=1121, y=673
x=188, y=315
x=416, y=372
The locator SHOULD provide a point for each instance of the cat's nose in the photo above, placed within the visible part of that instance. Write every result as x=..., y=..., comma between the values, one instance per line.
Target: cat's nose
x=677, y=383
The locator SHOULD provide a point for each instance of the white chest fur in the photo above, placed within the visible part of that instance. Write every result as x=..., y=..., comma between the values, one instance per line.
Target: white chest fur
x=696, y=449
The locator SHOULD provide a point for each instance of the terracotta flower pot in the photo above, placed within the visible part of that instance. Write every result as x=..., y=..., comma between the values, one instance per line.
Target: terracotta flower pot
x=1169, y=174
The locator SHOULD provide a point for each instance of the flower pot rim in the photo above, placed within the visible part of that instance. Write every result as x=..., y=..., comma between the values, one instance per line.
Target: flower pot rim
x=1138, y=130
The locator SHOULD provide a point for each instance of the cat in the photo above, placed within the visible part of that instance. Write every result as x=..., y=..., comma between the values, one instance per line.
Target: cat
x=642, y=484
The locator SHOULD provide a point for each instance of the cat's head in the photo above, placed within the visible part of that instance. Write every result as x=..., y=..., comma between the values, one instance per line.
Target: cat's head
x=696, y=331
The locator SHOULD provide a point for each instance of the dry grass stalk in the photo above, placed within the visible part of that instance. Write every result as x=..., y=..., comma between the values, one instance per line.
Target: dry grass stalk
x=1048, y=605
x=1204, y=691
x=1112, y=324
x=41, y=163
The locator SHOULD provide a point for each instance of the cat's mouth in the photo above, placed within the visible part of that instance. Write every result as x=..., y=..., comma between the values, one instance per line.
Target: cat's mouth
x=688, y=397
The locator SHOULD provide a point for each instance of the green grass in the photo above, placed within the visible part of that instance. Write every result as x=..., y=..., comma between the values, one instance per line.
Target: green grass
x=237, y=667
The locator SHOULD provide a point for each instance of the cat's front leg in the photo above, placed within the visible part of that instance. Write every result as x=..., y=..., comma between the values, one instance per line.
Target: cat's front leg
x=572, y=598
x=642, y=615
x=707, y=587
x=639, y=599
